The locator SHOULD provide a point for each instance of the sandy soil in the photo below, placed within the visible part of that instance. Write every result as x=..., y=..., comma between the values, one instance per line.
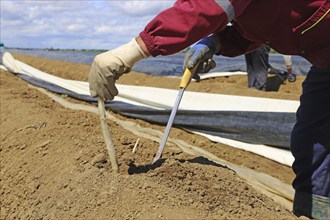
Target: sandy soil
x=54, y=163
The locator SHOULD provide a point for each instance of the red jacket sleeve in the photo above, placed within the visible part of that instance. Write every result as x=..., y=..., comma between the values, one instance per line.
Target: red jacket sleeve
x=182, y=25
x=233, y=43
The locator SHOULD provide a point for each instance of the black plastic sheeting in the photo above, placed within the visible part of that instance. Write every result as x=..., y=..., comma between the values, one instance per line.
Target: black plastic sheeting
x=269, y=128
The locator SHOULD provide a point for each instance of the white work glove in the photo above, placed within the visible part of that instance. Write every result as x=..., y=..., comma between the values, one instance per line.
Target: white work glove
x=201, y=53
x=109, y=66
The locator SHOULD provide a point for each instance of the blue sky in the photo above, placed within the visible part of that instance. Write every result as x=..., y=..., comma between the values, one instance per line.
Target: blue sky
x=75, y=24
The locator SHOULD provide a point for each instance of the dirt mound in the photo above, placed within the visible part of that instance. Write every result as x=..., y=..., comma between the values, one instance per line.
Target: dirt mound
x=54, y=165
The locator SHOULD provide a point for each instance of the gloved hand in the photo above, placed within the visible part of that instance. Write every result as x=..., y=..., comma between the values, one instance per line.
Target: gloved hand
x=201, y=53
x=109, y=66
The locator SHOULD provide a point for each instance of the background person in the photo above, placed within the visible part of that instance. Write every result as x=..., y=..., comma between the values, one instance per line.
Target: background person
x=258, y=67
x=288, y=63
x=295, y=27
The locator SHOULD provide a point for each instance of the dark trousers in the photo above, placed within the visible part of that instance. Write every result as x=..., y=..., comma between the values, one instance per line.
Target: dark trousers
x=257, y=65
x=310, y=145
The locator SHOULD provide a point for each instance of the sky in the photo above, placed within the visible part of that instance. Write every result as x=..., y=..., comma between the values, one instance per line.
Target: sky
x=75, y=24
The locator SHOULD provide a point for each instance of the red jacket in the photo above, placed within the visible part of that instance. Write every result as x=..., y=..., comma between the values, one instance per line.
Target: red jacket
x=295, y=27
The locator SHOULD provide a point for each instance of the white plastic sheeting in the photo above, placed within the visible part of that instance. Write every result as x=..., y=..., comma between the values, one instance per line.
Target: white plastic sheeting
x=158, y=98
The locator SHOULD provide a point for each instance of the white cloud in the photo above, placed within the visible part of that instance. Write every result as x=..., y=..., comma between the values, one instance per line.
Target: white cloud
x=142, y=7
x=76, y=27
x=73, y=23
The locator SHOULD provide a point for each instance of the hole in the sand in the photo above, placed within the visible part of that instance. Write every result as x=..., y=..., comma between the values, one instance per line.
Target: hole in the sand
x=202, y=160
x=134, y=169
